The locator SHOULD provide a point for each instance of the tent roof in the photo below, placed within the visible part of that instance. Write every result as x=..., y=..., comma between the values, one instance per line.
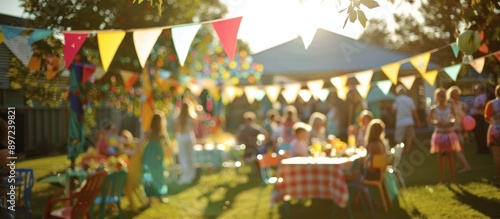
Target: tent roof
x=329, y=53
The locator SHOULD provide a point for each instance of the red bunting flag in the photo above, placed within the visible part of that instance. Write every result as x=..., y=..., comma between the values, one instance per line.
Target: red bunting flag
x=497, y=55
x=227, y=30
x=88, y=71
x=73, y=42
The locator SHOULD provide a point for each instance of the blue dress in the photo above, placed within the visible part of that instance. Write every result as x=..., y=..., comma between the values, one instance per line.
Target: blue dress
x=153, y=167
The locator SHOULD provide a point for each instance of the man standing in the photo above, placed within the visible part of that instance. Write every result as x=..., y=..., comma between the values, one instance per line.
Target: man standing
x=477, y=111
x=406, y=117
x=248, y=133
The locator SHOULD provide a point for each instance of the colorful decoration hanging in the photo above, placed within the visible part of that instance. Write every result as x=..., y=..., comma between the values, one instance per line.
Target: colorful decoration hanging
x=468, y=42
x=76, y=136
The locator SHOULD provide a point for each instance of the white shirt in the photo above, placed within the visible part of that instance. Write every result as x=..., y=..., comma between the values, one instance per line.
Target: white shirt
x=404, y=107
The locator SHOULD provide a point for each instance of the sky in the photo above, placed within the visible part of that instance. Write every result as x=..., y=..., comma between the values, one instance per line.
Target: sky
x=267, y=23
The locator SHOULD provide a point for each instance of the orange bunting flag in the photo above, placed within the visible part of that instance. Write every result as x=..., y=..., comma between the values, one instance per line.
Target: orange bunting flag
x=227, y=30
x=129, y=79
x=52, y=64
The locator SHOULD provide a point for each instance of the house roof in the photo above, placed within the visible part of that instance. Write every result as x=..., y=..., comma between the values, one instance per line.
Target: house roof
x=329, y=54
x=14, y=21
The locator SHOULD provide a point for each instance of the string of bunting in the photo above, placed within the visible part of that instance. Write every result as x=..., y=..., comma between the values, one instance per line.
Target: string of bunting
x=110, y=40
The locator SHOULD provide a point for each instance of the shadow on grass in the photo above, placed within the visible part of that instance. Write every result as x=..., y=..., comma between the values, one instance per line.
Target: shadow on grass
x=486, y=206
x=216, y=208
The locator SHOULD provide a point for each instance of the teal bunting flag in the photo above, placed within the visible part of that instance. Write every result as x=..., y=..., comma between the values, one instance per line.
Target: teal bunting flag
x=39, y=34
x=11, y=32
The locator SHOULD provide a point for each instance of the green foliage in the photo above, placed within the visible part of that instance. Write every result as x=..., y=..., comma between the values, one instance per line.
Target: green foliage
x=354, y=11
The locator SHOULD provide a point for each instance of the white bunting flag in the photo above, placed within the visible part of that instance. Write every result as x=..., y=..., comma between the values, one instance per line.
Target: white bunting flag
x=144, y=41
x=183, y=37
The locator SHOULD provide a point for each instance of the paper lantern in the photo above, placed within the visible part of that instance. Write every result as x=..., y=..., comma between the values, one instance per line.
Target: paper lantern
x=468, y=42
x=468, y=123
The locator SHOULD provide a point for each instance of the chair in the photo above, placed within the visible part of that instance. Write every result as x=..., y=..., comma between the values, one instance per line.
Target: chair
x=355, y=189
x=379, y=163
x=79, y=201
x=266, y=163
x=24, y=184
x=111, y=192
x=397, y=153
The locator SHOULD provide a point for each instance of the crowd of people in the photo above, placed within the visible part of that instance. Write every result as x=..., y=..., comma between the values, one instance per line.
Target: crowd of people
x=288, y=132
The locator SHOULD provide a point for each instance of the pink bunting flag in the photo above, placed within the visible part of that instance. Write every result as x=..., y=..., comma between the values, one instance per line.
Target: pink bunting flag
x=227, y=30
x=497, y=55
x=73, y=42
x=88, y=71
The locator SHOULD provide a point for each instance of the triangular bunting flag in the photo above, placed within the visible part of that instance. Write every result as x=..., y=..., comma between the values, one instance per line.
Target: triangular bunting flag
x=308, y=36
x=290, y=95
x=384, y=86
x=455, y=49
x=2, y=37
x=214, y=92
x=183, y=37
x=230, y=93
x=478, y=65
x=108, y=45
x=408, y=81
x=323, y=94
x=392, y=71
x=342, y=93
x=11, y=32
x=363, y=90
x=420, y=62
x=238, y=91
x=430, y=77
x=484, y=48
x=52, y=66
x=144, y=41
x=249, y=93
x=99, y=73
x=259, y=94
x=364, y=77
x=339, y=82
x=195, y=89
x=72, y=43
x=88, y=71
x=20, y=48
x=315, y=86
x=305, y=95
x=227, y=30
x=453, y=71
x=290, y=92
x=128, y=78
x=39, y=34
x=273, y=92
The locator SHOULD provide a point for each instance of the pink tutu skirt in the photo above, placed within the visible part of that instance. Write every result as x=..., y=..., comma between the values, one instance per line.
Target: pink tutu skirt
x=445, y=142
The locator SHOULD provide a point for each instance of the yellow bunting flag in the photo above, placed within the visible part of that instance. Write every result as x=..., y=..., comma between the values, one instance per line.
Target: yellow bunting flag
x=392, y=71
x=273, y=92
x=478, y=65
x=363, y=90
x=249, y=91
x=305, y=95
x=408, y=81
x=108, y=45
x=420, y=62
x=339, y=82
x=2, y=37
x=430, y=77
x=230, y=93
x=315, y=87
x=144, y=41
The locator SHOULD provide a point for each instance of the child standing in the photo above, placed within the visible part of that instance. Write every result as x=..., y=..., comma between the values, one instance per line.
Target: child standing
x=299, y=143
x=444, y=140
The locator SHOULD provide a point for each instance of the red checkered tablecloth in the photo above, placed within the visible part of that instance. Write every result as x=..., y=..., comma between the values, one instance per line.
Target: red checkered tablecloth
x=302, y=177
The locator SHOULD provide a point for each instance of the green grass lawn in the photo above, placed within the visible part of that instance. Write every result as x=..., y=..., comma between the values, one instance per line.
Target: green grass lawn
x=234, y=194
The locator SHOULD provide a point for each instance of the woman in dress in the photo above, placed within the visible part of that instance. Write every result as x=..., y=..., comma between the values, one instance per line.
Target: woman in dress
x=153, y=160
x=185, y=123
x=492, y=116
x=452, y=95
x=444, y=139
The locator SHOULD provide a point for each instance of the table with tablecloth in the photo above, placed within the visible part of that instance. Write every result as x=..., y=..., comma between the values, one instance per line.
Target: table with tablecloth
x=309, y=177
